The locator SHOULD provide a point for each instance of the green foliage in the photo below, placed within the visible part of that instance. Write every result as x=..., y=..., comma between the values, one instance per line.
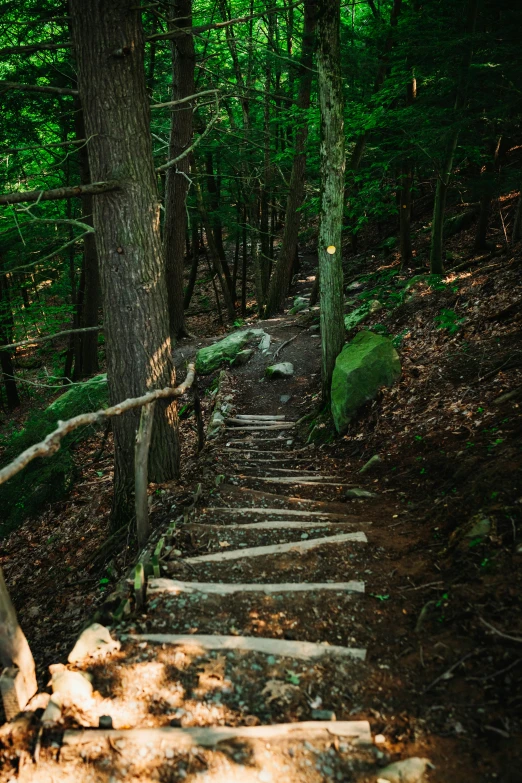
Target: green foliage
x=449, y=320
x=47, y=479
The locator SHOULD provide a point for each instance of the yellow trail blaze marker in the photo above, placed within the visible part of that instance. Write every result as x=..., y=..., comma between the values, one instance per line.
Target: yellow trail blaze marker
x=330, y=249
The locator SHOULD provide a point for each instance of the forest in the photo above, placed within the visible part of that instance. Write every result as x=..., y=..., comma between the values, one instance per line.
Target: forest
x=261, y=376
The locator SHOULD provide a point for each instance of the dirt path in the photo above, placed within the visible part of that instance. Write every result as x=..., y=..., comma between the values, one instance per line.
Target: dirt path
x=283, y=639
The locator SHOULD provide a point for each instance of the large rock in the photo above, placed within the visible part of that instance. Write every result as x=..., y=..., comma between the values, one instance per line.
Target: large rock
x=281, y=370
x=95, y=641
x=209, y=358
x=408, y=771
x=368, y=362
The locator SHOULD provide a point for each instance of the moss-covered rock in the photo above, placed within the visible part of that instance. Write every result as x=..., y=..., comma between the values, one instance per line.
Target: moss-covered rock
x=281, y=370
x=47, y=479
x=209, y=358
x=366, y=364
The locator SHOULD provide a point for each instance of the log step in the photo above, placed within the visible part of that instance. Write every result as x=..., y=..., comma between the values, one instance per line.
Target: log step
x=291, y=512
x=282, y=647
x=241, y=426
x=277, y=549
x=270, y=524
x=259, y=417
x=356, y=731
x=219, y=588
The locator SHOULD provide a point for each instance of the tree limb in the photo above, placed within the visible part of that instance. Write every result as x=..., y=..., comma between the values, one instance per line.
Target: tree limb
x=194, y=144
x=55, y=336
x=51, y=444
x=51, y=195
x=183, y=100
x=15, y=150
x=37, y=88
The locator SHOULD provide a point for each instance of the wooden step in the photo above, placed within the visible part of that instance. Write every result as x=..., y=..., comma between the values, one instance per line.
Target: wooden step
x=282, y=647
x=269, y=524
x=241, y=427
x=277, y=549
x=292, y=512
x=260, y=417
x=162, y=585
x=356, y=731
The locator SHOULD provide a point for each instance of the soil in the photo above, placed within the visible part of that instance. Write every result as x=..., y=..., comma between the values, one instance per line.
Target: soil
x=440, y=616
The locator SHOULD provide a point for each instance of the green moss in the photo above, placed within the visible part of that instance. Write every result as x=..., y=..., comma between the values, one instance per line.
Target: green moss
x=47, y=479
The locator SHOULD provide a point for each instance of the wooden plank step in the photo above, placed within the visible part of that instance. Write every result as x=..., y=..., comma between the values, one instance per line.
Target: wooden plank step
x=162, y=585
x=276, y=460
x=250, y=442
x=260, y=417
x=241, y=427
x=292, y=512
x=356, y=731
x=300, y=471
x=277, y=549
x=308, y=477
x=282, y=647
x=269, y=524
x=302, y=481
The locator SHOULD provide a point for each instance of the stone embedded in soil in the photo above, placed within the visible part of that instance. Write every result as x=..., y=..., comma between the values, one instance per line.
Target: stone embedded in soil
x=94, y=641
x=281, y=370
x=407, y=771
x=355, y=492
x=209, y=358
x=242, y=357
x=71, y=687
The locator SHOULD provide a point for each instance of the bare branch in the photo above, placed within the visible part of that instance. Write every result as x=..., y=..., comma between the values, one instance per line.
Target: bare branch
x=37, y=88
x=15, y=150
x=183, y=100
x=55, y=336
x=51, y=195
x=50, y=255
x=51, y=444
x=500, y=633
x=36, y=47
x=194, y=144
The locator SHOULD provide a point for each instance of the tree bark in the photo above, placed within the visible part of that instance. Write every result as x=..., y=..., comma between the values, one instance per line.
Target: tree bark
x=108, y=39
x=332, y=154
x=177, y=183
x=443, y=180
x=14, y=649
x=280, y=280
x=6, y=362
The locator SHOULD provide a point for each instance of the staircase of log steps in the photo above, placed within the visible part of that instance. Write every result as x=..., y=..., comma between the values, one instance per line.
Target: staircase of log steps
x=266, y=543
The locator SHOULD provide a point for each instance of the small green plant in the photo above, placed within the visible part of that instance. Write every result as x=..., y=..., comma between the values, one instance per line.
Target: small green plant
x=239, y=322
x=397, y=340
x=449, y=320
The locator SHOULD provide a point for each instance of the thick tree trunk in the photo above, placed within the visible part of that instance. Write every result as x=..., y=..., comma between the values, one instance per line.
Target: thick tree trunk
x=108, y=39
x=332, y=155
x=176, y=186
x=91, y=293
x=280, y=280
x=6, y=362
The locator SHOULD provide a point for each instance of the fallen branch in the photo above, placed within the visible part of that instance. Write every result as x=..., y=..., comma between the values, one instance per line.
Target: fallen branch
x=500, y=633
x=170, y=163
x=283, y=345
x=91, y=189
x=51, y=444
x=446, y=675
x=55, y=336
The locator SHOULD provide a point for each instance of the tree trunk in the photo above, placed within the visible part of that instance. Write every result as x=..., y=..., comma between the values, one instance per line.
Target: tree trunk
x=108, y=39
x=516, y=233
x=14, y=650
x=193, y=268
x=439, y=208
x=176, y=186
x=487, y=187
x=91, y=297
x=6, y=362
x=280, y=280
x=332, y=156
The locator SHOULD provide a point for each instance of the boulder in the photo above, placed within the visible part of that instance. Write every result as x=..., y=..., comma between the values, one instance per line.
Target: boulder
x=407, y=771
x=281, y=370
x=209, y=358
x=94, y=642
x=299, y=305
x=366, y=364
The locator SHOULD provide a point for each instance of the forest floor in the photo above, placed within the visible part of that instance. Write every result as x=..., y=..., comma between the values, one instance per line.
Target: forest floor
x=440, y=614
